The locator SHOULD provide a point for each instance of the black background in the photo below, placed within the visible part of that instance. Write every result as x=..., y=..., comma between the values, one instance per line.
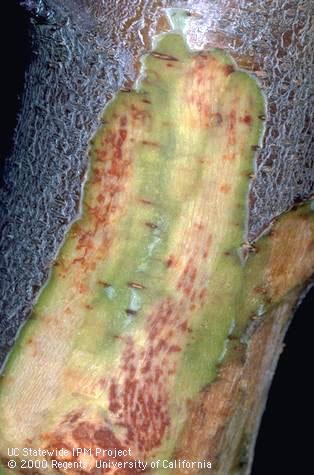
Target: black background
x=283, y=445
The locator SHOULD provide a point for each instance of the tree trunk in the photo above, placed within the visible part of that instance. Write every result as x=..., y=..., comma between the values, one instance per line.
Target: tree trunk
x=84, y=52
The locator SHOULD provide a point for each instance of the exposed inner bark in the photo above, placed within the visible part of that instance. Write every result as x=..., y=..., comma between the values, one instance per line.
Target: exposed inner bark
x=283, y=274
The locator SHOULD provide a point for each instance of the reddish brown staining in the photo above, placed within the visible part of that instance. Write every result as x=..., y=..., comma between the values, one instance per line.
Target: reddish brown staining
x=87, y=435
x=228, y=69
x=184, y=327
x=196, y=99
x=171, y=261
x=123, y=121
x=193, y=98
x=97, y=176
x=161, y=345
x=102, y=383
x=117, y=164
x=147, y=367
x=82, y=288
x=230, y=157
x=174, y=348
x=139, y=114
x=198, y=90
x=72, y=417
x=105, y=438
x=200, y=62
x=247, y=119
x=84, y=432
x=225, y=188
x=187, y=278
x=101, y=155
x=97, y=215
x=114, y=405
x=109, y=182
x=260, y=290
x=123, y=134
x=100, y=198
x=231, y=127
x=192, y=276
x=58, y=441
x=108, y=138
x=217, y=119
x=85, y=240
x=139, y=401
x=136, y=285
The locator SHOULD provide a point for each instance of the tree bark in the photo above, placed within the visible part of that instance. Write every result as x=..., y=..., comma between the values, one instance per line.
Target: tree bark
x=84, y=52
